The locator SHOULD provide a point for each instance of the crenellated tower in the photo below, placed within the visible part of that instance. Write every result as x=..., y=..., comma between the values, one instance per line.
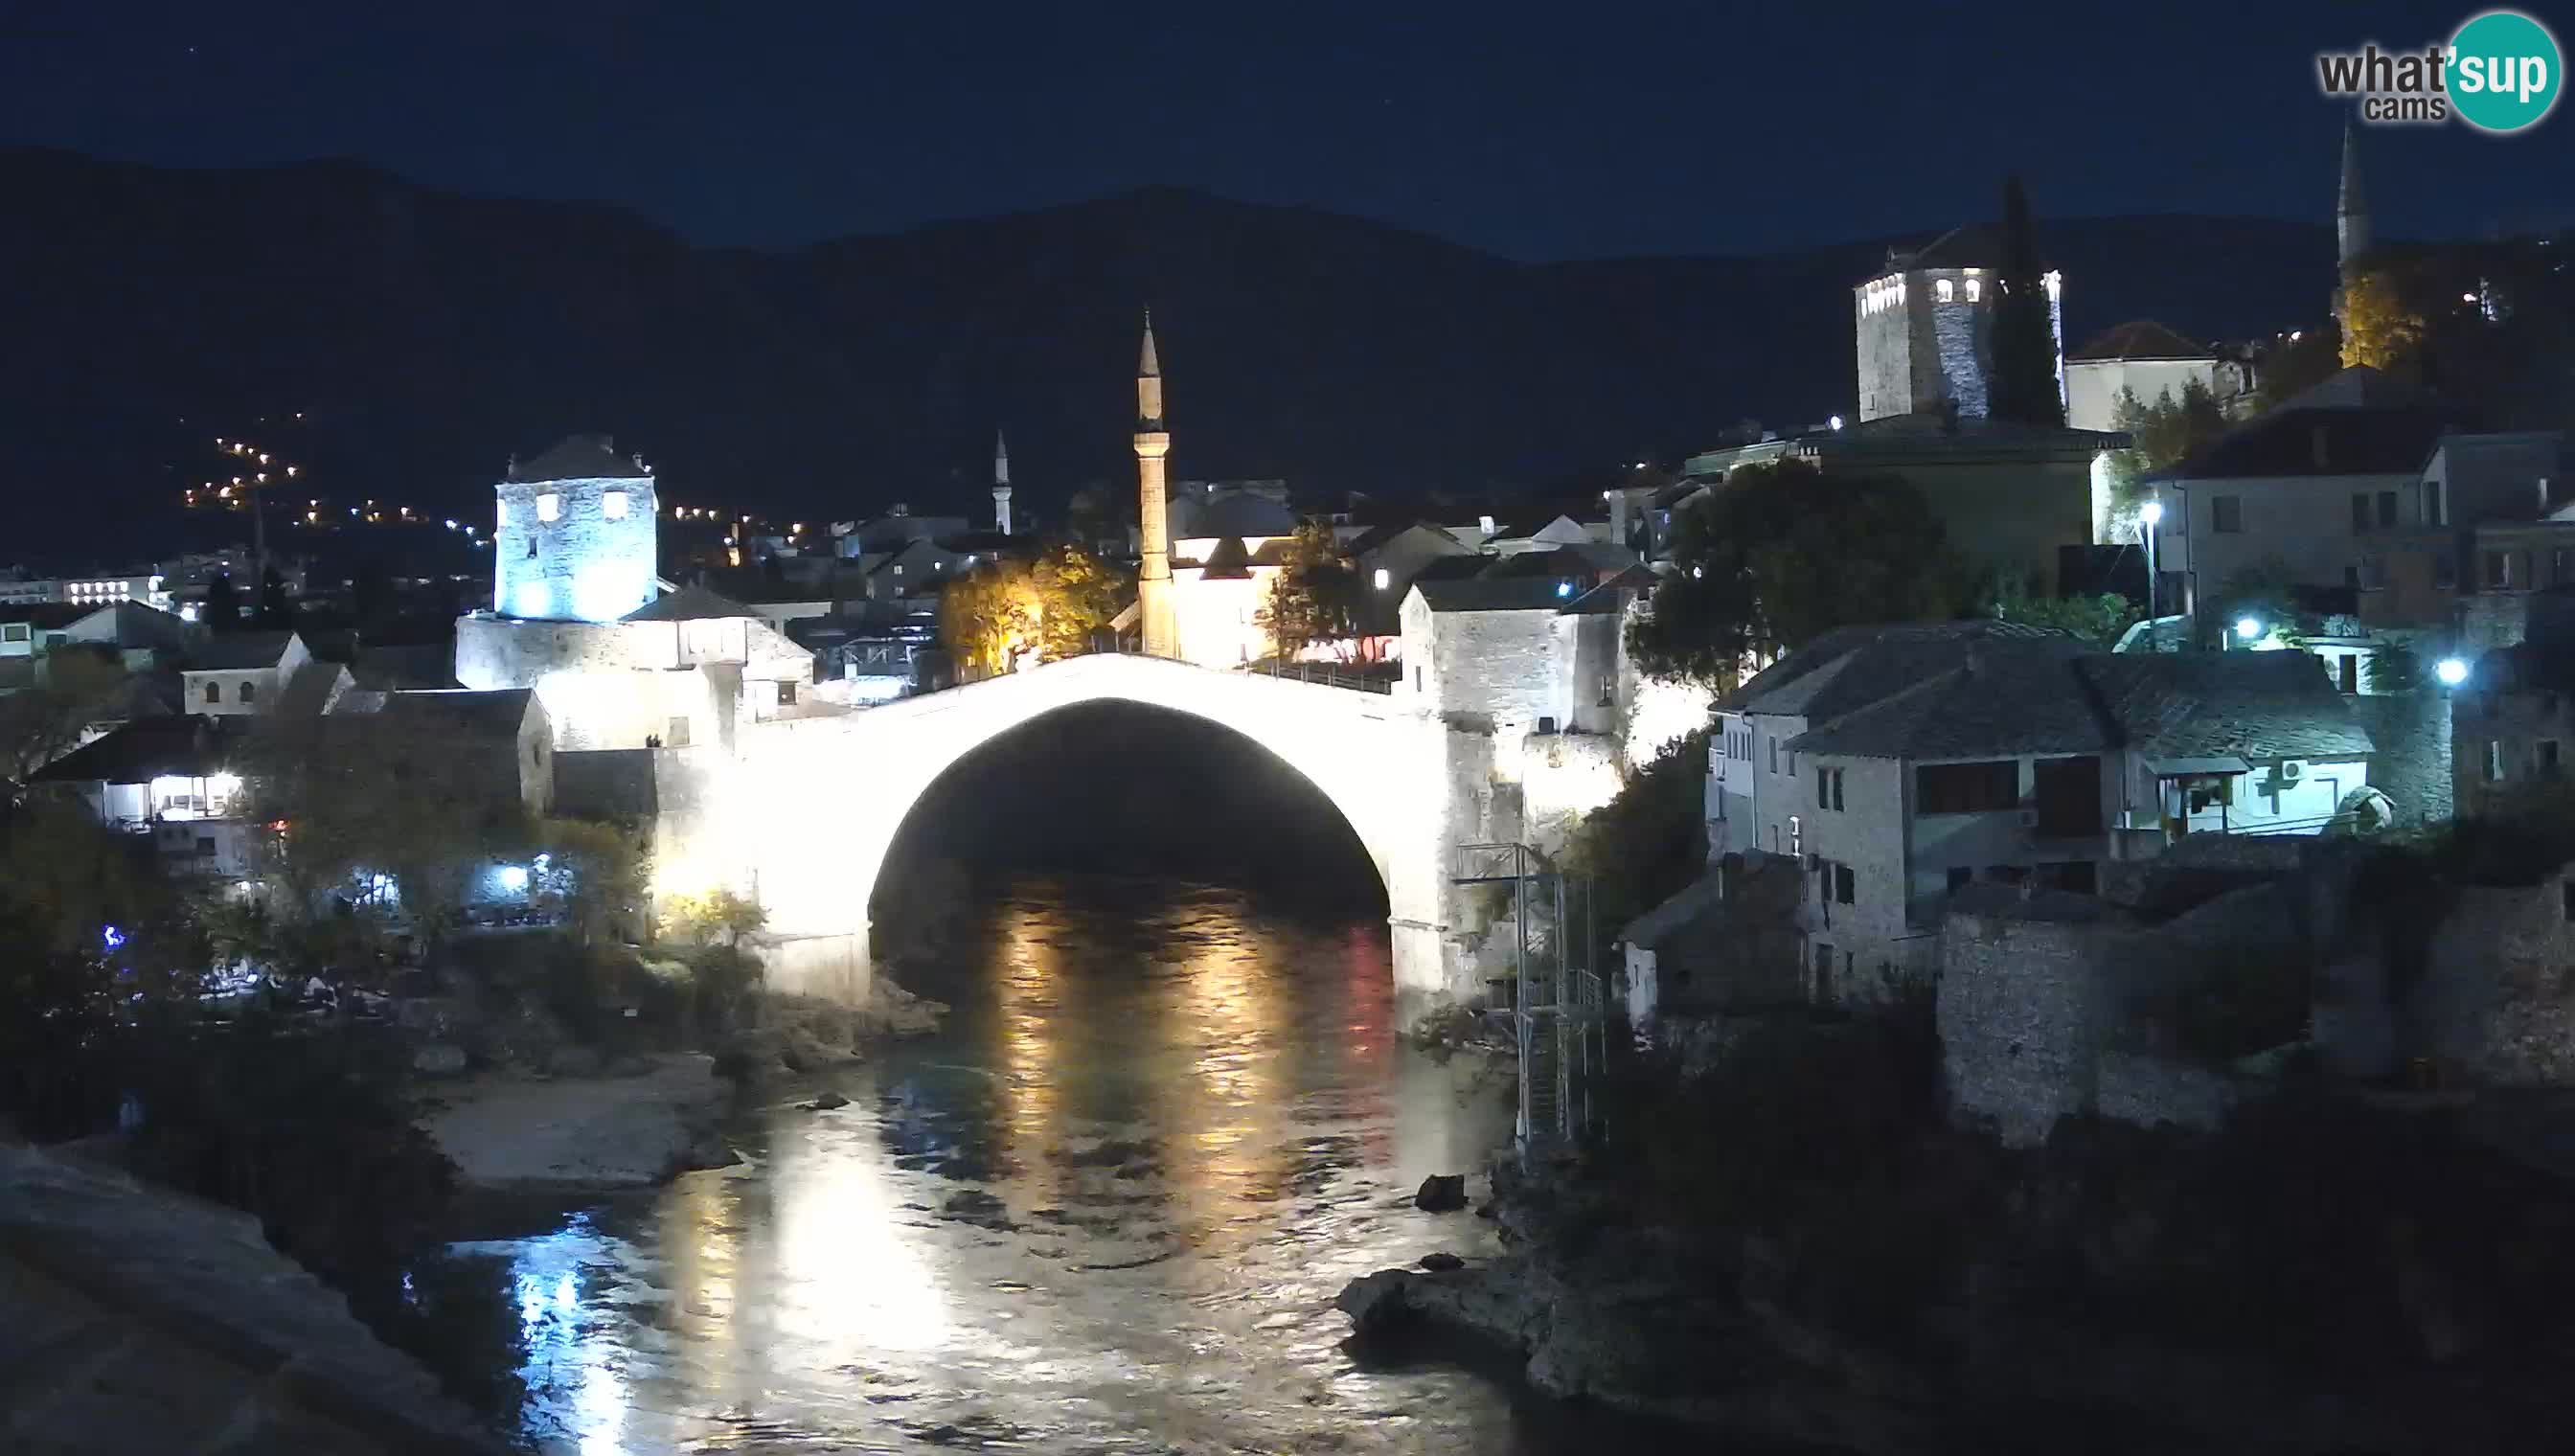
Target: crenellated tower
x=1160, y=626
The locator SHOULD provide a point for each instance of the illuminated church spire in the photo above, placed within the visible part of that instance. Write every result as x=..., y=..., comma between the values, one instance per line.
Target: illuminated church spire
x=1154, y=568
x=1000, y=484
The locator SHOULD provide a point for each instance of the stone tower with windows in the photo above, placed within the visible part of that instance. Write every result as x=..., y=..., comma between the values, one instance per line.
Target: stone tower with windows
x=577, y=535
x=1157, y=619
x=1924, y=328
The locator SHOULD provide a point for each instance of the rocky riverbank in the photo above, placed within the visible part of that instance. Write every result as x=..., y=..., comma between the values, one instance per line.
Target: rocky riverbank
x=639, y=1126
x=2330, y=1278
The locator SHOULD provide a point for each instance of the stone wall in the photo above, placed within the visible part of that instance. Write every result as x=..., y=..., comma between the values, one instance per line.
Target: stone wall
x=2023, y=1020
x=585, y=563
x=2496, y=1003
x=1494, y=670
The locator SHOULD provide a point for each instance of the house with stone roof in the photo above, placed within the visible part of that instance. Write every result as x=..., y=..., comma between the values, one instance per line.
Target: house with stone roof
x=1900, y=765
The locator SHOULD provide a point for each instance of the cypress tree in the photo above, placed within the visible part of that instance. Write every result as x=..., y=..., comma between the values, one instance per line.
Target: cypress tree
x=2024, y=341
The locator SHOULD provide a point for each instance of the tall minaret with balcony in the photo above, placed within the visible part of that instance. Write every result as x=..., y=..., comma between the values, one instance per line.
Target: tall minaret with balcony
x=1160, y=626
x=1000, y=484
x=2351, y=220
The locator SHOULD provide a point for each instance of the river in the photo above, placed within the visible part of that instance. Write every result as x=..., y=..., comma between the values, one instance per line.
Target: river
x=1105, y=1208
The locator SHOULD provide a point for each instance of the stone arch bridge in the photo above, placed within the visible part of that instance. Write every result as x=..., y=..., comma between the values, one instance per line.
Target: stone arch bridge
x=806, y=811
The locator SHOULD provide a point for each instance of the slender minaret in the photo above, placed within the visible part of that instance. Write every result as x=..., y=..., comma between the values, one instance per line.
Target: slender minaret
x=2351, y=209
x=1154, y=569
x=1000, y=484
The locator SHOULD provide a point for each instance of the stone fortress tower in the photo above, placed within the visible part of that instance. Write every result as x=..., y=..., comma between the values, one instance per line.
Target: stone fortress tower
x=1925, y=327
x=1000, y=484
x=1160, y=626
x=577, y=535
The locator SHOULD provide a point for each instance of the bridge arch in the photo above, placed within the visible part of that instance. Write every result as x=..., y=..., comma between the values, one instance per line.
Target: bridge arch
x=814, y=803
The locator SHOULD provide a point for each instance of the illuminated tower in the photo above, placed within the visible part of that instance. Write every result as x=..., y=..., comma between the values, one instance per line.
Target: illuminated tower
x=1154, y=569
x=1000, y=484
x=576, y=535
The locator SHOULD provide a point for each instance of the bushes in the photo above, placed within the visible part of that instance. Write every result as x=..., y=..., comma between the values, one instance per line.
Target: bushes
x=1643, y=846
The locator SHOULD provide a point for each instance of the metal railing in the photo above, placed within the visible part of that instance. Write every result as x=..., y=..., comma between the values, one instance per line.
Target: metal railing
x=1557, y=1014
x=1322, y=674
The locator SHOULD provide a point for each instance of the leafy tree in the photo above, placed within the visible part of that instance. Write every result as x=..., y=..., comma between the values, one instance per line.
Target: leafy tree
x=2295, y=366
x=989, y=616
x=2393, y=667
x=1782, y=553
x=222, y=612
x=2378, y=328
x=599, y=874
x=1316, y=595
x=1078, y=596
x=273, y=609
x=1649, y=841
x=2025, y=385
x=712, y=917
x=48, y=719
x=2169, y=431
x=2099, y=620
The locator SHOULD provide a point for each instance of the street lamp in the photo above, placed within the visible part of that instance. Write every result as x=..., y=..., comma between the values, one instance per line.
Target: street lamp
x=2248, y=628
x=2451, y=670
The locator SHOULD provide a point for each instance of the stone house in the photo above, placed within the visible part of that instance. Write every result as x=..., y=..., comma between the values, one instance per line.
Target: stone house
x=2025, y=761
x=242, y=672
x=500, y=734
x=2512, y=721
x=1924, y=327
x=576, y=534
x=1730, y=942
x=2140, y=357
x=2487, y=524
x=170, y=779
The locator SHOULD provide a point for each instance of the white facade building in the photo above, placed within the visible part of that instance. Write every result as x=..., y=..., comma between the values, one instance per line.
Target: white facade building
x=2146, y=357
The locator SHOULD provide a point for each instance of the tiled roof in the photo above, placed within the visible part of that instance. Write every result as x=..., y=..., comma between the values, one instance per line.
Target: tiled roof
x=581, y=458
x=486, y=712
x=2017, y=698
x=2275, y=704
x=2139, y=339
x=1485, y=594
x=689, y=604
x=2324, y=441
x=1870, y=663
x=142, y=751
x=235, y=651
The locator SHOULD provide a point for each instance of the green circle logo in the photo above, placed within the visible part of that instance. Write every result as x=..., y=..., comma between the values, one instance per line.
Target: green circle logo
x=2505, y=71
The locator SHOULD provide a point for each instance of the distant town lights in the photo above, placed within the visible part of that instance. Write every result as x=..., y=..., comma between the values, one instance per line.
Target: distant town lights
x=2451, y=670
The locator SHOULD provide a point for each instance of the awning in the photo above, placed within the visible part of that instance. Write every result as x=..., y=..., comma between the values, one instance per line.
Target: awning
x=2196, y=768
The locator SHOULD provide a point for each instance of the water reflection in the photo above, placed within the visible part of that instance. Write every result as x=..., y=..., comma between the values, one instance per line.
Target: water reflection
x=1105, y=1208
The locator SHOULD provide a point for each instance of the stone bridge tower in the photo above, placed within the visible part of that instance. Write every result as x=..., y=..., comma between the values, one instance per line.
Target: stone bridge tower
x=1161, y=633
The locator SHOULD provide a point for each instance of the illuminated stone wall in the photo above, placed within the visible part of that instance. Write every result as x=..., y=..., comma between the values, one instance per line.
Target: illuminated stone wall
x=1405, y=781
x=618, y=685
x=574, y=550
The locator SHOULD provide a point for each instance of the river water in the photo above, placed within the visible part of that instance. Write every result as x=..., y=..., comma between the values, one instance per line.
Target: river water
x=1104, y=1209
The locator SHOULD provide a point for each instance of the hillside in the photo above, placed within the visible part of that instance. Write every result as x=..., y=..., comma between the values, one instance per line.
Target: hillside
x=429, y=335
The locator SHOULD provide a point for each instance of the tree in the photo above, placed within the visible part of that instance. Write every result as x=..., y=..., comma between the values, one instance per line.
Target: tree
x=989, y=616
x=222, y=612
x=1316, y=595
x=1077, y=595
x=2025, y=385
x=40, y=723
x=712, y=917
x=2100, y=621
x=2164, y=434
x=274, y=613
x=1782, y=552
x=2378, y=329
x=599, y=874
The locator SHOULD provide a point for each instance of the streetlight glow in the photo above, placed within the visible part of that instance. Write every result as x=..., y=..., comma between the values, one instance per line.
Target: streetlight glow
x=2451, y=670
x=2247, y=628
x=2152, y=513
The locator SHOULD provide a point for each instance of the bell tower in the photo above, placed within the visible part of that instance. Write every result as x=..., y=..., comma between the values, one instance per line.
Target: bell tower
x=1161, y=634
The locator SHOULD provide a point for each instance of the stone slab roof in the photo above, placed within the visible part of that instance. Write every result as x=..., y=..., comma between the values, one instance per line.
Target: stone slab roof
x=2019, y=699
x=689, y=604
x=2258, y=705
x=146, y=748
x=235, y=651
x=1491, y=593
x=476, y=712
x=581, y=458
x=2139, y=339
x=1866, y=664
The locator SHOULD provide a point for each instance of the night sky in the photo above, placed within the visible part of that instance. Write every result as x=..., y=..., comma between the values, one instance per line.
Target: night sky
x=1537, y=132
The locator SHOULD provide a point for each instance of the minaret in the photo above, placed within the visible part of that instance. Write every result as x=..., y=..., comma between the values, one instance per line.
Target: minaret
x=1000, y=484
x=1154, y=569
x=2351, y=210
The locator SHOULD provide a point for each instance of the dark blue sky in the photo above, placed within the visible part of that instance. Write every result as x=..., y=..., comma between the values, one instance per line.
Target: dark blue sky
x=1541, y=132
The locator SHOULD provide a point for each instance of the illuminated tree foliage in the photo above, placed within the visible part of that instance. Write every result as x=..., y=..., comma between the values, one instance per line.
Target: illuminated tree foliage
x=1316, y=595
x=1781, y=553
x=2165, y=433
x=2378, y=328
x=994, y=615
x=1077, y=595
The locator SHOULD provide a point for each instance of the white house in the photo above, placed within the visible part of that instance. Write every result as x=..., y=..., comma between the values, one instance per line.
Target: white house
x=2143, y=357
x=242, y=672
x=1900, y=765
x=170, y=779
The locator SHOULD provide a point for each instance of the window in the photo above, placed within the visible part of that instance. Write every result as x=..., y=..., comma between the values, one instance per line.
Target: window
x=1844, y=885
x=2546, y=755
x=678, y=736
x=14, y=631
x=612, y=504
x=2226, y=514
x=1824, y=967
x=1417, y=679
x=2436, y=509
x=1828, y=789
x=1975, y=289
x=2360, y=509
x=1958, y=788
x=2349, y=663
x=1608, y=692
x=1946, y=288
x=214, y=692
x=2566, y=893
x=2494, y=761
x=787, y=695
x=2387, y=509
x=1774, y=755
x=2498, y=570
x=1382, y=578
x=549, y=507
x=2561, y=566
x=1796, y=834
x=249, y=691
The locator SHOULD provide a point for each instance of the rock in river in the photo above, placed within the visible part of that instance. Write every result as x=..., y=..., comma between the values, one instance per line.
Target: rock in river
x=1442, y=1193
x=1442, y=1263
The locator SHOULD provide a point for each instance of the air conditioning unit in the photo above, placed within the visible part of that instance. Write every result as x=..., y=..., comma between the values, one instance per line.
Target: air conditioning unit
x=2030, y=818
x=2291, y=770
x=1546, y=724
